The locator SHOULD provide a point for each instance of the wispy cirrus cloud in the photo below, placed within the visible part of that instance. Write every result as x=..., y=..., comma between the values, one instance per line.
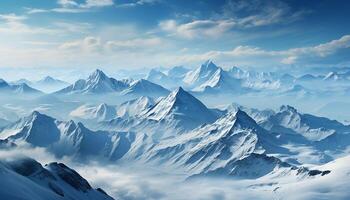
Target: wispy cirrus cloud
x=14, y=24
x=137, y=3
x=96, y=44
x=73, y=6
x=234, y=16
x=197, y=28
x=246, y=54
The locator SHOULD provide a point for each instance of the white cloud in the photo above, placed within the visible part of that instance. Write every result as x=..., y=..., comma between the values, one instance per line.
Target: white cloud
x=67, y=3
x=14, y=24
x=134, y=44
x=255, y=14
x=197, y=28
x=254, y=55
x=72, y=6
x=95, y=44
x=97, y=3
x=137, y=3
x=154, y=51
x=86, y=4
x=88, y=44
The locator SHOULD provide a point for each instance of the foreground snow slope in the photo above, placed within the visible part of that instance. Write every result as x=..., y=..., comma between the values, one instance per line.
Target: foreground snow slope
x=25, y=178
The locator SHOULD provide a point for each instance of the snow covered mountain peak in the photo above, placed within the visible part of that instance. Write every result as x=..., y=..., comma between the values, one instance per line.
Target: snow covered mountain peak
x=98, y=74
x=180, y=104
x=288, y=120
x=287, y=108
x=208, y=66
x=201, y=74
x=144, y=87
x=31, y=130
x=237, y=119
x=97, y=82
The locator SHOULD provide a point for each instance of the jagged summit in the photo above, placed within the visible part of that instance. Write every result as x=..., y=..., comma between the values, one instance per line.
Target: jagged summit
x=200, y=74
x=180, y=104
x=289, y=108
x=208, y=65
x=98, y=75
x=97, y=82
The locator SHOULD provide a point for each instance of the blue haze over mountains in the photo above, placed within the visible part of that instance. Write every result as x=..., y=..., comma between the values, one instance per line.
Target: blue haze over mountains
x=201, y=123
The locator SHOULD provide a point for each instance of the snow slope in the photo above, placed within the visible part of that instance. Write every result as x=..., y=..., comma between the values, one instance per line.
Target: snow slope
x=25, y=178
x=99, y=112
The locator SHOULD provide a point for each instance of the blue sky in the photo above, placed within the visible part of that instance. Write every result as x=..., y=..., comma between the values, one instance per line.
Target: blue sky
x=122, y=34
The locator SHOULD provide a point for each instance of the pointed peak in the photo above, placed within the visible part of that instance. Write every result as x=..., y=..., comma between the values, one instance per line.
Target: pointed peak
x=81, y=125
x=288, y=108
x=35, y=113
x=97, y=73
x=180, y=91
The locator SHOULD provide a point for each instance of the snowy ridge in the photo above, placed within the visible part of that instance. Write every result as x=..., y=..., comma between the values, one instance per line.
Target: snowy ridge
x=21, y=88
x=97, y=82
x=311, y=127
x=217, y=147
x=69, y=138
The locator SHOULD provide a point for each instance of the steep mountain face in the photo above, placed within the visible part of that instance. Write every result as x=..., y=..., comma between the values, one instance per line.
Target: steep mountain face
x=96, y=83
x=227, y=147
x=288, y=120
x=100, y=112
x=25, y=178
x=143, y=87
x=181, y=108
x=135, y=107
x=68, y=138
x=168, y=117
x=200, y=75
